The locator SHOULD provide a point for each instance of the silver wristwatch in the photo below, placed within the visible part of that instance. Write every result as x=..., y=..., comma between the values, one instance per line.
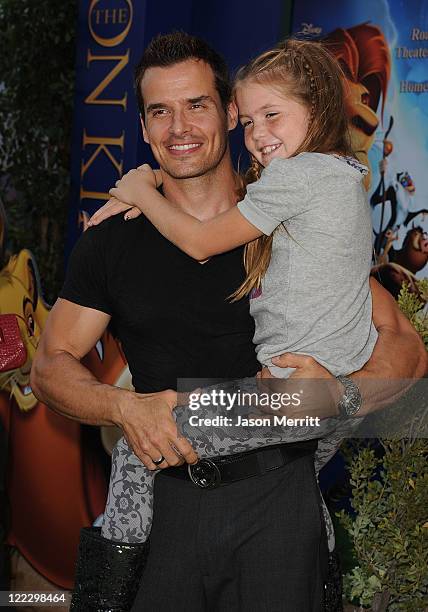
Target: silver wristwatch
x=351, y=400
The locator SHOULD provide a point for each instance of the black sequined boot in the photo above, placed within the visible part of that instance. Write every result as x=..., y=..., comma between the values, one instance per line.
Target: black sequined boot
x=333, y=587
x=107, y=574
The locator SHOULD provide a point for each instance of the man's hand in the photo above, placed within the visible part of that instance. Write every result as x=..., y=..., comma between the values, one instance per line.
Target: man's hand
x=60, y=380
x=306, y=366
x=398, y=360
x=318, y=390
x=151, y=431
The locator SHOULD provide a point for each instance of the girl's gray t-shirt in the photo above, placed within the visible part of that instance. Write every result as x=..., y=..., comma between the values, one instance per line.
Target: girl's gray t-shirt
x=315, y=297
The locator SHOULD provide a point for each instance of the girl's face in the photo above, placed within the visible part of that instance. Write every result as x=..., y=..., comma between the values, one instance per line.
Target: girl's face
x=274, y=125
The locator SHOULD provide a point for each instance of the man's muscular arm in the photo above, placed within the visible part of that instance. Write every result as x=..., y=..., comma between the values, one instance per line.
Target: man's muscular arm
x=398, y=359
x=399, y=356
x=63, y=383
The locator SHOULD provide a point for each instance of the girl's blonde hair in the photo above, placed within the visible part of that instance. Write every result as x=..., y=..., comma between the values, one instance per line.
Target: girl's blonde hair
x=307, y=72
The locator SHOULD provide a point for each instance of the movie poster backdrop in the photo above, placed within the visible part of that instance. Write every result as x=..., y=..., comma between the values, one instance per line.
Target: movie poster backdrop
x=382, y=46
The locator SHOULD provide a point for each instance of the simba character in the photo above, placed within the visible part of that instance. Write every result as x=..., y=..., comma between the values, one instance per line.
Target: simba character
x=364, y=55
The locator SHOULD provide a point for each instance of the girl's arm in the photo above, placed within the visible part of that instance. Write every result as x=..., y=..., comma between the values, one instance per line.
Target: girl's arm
x=199, y=239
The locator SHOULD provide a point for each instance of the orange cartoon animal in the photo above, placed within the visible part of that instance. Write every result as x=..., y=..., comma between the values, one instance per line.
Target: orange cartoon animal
x=57, y=469
x=364, y=56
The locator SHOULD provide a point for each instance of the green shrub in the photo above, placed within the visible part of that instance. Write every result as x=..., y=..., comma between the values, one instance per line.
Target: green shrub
x=389, y=530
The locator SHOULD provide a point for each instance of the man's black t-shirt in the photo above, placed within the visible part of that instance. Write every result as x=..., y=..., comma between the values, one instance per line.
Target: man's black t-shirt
x=171, y=313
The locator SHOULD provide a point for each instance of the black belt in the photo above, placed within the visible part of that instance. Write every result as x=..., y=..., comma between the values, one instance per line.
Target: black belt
x=211, y=473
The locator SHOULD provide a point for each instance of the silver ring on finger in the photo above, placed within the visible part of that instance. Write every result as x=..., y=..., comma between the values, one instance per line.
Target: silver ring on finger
x=158, y=461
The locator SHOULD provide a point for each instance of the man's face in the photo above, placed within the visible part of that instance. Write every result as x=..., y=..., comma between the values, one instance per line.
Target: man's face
x=185, y=122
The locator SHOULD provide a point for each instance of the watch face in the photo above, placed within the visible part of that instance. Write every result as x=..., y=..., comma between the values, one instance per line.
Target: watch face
x=351, y=401
x=352, y=405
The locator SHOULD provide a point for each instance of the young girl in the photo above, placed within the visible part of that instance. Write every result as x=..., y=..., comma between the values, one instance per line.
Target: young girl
x=307, y=226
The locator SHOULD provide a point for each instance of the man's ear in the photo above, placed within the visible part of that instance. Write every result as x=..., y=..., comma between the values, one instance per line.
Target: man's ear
x=232, y=115
x=145, y=135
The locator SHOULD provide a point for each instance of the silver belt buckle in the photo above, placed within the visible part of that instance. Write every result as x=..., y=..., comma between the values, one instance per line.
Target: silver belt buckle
x=204, y=474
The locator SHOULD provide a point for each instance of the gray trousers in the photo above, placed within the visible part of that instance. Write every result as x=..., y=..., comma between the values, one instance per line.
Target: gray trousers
x=129, y=510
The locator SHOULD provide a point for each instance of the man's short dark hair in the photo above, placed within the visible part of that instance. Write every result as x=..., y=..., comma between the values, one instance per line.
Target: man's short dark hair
x=169, y=49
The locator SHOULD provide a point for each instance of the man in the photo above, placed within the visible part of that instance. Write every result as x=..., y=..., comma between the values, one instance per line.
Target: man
x=250, y=544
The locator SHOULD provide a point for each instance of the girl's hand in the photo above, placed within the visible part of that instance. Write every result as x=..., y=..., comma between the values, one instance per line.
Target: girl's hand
x=135, y=186
x=131, y=185
x=113, y=207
